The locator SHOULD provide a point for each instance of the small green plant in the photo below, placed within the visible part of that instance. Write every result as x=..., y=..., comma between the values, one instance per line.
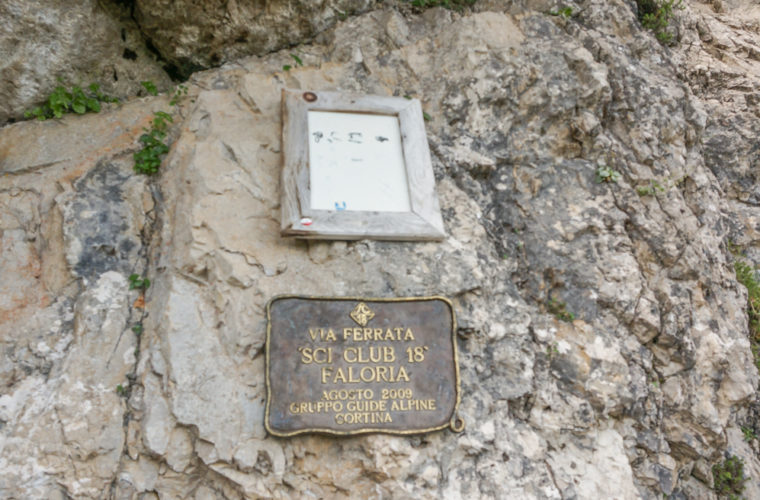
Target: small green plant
x=729, y=478
x=297, y=60
x=606, y=174
x=138, y=283
x=565, y=12
x=154, y=145
x=179, y=93
x=559, y=310
x=735, y=249
x=138, y=329
x=749, y=434
x=94, y=88
x=150, y=87
x=121, y=391
x=745, y=274
x=650, y=189
x=655, y=15
x=75, y=100
x=426, y=117
x=148, y=159
x=552, y=350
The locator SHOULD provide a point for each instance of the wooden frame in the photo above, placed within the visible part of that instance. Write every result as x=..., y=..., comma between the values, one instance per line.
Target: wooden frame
x=422, y=222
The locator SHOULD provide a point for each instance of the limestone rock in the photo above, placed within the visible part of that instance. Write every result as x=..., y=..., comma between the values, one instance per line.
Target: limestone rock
x=193, y=36
x=65, y=332
x=722, y=68
x=602, y=333
x=79, y=43
x=71, y=426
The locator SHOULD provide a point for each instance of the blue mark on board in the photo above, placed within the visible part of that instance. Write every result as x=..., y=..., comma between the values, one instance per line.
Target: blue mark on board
x=340, y=207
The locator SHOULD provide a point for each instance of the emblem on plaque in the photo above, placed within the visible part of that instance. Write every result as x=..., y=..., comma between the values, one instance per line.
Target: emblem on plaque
x=362, y=314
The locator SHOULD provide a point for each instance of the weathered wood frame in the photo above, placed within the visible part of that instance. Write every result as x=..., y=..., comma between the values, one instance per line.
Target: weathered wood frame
x=422, y=222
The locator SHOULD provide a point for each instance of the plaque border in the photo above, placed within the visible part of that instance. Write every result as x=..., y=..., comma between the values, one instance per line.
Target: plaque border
x=456, y=422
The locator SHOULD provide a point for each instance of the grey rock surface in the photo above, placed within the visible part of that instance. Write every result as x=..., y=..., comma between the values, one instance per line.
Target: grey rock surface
x=78, y=43
x=194, y=35
x=636, y=394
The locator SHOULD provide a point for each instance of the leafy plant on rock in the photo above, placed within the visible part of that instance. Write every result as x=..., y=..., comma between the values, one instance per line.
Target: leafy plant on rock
x=559, y=310
x=154, y=146
x=179, y=93
x=749, y=434
x=606, y=174
x=74, y=100
x=565, y=12
x=729, y=478
x=138, y=283
x=650, y=189
x=298, y=61
x=150, y=87
x=655, y=15
x=148, y=159
x=745, y=274
x=552, y=350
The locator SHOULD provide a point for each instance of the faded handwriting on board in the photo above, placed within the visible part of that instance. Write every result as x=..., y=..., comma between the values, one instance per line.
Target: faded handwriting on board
x=354, y=137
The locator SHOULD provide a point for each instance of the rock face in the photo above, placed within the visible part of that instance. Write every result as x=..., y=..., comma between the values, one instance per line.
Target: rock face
x=118, y=44
x=77, y=42
x=193, y=35
x=604, y=346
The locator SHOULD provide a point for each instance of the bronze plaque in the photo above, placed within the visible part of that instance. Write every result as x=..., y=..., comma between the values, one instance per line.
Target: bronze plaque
x=350, y=366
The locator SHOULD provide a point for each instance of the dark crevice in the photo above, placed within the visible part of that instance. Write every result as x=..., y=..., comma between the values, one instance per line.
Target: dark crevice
x=126, y=4
x=177, y=72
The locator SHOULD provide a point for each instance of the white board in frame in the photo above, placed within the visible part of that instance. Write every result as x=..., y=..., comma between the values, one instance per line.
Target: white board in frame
x=356, y=166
